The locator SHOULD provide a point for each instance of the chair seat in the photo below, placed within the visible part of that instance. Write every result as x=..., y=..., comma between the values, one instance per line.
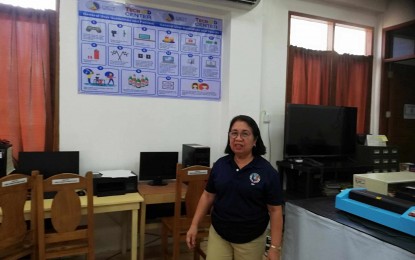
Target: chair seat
x=67, y=248
x=16, y=251
x=184, y=224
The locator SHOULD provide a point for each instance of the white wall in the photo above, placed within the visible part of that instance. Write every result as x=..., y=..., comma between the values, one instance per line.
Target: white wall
x=111, y=131
x=399, y=11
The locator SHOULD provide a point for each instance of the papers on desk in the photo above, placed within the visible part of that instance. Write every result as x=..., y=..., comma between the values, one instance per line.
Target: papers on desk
x=116, y=174
x=376, y=140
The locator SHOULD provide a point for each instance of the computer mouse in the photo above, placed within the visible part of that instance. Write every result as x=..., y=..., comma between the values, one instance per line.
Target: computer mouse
x=81, y=193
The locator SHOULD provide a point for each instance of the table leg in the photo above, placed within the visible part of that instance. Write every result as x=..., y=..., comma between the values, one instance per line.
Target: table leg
x=124, y=229
x=142, y=229
x=134, y=228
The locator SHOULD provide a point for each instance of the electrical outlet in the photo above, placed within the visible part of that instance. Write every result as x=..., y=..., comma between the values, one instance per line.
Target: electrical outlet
x=267, y=118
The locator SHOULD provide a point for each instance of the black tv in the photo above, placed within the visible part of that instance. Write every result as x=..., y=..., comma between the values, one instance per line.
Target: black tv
x=48, y=163
x=156, y=167
x=319, y=131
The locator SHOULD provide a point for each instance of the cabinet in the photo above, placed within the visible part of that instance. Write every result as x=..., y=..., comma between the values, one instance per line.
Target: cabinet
x=397, y=91
x=383, y=159
x=400, y=43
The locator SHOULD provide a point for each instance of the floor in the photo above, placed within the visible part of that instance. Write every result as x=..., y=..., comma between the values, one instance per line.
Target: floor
x=152, y=247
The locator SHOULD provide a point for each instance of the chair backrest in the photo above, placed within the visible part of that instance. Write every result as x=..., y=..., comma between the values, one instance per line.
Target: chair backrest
x=195, y=178
x=17, y=238
x=66, y=210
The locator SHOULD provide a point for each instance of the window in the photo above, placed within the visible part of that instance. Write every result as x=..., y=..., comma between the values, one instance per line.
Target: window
x=323, y=34
x=330, y=63
x=38, y=4
x=29, y=83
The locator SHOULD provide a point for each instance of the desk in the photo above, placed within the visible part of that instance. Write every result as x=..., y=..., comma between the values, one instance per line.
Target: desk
x=154, y=195
x=315, y=230
x=127, y=202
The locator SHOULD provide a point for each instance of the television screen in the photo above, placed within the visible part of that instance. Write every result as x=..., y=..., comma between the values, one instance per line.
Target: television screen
x=158, y=166
x=319, y=131
x=48, y=163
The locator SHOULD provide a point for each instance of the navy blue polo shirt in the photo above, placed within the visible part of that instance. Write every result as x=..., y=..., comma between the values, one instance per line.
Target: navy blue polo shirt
x=240, y=212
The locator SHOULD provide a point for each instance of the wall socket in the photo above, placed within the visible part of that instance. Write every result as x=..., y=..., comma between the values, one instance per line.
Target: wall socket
x=266, y=119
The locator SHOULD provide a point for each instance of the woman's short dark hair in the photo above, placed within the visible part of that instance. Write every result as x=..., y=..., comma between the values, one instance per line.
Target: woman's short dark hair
x=259, y=148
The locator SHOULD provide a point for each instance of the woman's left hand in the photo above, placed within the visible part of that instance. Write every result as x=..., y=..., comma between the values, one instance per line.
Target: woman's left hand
x=274, y=254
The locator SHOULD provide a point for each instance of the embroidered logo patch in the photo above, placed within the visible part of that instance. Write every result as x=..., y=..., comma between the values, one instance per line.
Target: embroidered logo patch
x=254, y=178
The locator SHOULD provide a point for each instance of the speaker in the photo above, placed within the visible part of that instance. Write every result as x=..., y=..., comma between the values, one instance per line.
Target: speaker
x=361, y=139
x=6, y=158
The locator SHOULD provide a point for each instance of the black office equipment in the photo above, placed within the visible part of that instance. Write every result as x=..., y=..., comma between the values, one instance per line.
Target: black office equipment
x=106, y=186
x=195, y=154
x=158, y=166
x=6, y=159
x=48, y=163
x=319, y=131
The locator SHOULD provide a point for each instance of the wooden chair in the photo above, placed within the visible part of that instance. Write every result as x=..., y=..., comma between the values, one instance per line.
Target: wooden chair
x=67, y=237
x=17, y=237
x=195, y=178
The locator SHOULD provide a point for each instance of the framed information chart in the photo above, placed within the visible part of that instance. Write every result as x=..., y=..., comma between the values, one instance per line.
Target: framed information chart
x=132, y=50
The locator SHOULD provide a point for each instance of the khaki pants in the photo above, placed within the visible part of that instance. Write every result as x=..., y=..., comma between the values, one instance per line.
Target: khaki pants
x=220, y=249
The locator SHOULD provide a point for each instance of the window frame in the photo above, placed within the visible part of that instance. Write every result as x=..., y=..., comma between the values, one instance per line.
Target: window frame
x=331, y=23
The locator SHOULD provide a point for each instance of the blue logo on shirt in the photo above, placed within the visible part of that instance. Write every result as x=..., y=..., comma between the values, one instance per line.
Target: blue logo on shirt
x=254, y=178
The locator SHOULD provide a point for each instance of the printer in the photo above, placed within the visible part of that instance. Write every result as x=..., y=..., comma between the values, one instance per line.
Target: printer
x=109, y=186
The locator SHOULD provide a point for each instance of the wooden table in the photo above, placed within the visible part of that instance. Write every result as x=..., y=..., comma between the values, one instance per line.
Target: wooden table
x=154, y=195
x=127, y=202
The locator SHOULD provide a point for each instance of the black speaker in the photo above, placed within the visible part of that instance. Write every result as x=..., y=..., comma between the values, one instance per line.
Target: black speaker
x=361, y=139
x=6, y=159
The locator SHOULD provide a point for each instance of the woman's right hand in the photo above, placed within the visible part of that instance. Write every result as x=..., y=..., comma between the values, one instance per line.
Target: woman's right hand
x=191, y=237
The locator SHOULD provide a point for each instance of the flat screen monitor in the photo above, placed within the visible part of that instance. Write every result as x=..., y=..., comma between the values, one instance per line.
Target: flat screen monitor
x=48, y=163
x=319, y=131
x=156, y=167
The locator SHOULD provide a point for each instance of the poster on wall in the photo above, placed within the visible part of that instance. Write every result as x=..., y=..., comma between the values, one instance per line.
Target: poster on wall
x=132, y=50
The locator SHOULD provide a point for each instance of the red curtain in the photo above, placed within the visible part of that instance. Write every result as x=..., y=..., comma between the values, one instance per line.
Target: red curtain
x=310, y=76
x=327, y=78
x=26, y=78
x=353, y=86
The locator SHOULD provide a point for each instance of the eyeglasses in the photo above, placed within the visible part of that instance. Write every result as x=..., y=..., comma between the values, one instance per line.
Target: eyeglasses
x=243, y=135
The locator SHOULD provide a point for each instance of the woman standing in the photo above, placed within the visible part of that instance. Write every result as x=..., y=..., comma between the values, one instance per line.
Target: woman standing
x=243, y=194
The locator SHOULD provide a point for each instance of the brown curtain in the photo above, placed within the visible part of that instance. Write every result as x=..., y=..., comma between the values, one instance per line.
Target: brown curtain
x=327, y=78
x=27, y=78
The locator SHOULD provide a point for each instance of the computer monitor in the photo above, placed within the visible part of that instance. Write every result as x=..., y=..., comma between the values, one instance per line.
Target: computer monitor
x=156, y=167
x=319, y=131
x=48, y=163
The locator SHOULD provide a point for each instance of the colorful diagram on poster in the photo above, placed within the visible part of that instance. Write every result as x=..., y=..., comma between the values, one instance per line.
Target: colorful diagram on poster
x=131, y=50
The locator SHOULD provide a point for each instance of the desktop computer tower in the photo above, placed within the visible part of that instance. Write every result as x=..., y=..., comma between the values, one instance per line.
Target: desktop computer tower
x=195, y=154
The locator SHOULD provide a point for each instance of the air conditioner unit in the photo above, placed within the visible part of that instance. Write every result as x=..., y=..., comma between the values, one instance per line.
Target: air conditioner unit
x=244, y=4
x=218, y=4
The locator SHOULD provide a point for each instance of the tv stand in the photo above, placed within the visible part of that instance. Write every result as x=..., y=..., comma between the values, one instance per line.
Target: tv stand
x=306, y=179
x=312, y=162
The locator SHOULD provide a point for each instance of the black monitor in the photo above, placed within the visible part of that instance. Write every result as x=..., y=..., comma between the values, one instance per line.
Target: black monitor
x=158, y=166
x=48, y=163
x=319, y=131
